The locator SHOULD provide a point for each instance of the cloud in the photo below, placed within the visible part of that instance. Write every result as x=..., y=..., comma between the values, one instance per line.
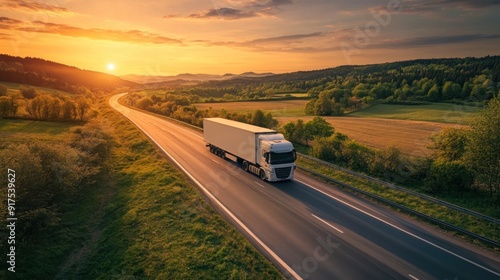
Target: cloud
x=285, y=38
x=310, y=42
x=224, y=13
x=130, y=36
x=433, y=40
x=5, y=36
x=432, y=7
x=8, y=23
x=235, y=10
x=23, y=5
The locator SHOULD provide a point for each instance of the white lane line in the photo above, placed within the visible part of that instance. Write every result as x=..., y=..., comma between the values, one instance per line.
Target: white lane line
x=214, y=161
x=259, y=184
x=327, y=223
x=413, y=277
x=213, y=198
x=403, y=230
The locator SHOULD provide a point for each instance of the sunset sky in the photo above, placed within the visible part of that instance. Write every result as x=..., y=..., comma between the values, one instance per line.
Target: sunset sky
x=227, y=36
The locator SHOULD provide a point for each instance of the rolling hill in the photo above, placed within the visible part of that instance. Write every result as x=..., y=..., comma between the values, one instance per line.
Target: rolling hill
x=44, y=73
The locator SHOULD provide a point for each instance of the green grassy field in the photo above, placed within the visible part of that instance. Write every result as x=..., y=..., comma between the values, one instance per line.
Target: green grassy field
x=25, y=131
x=435, y=112
x=278, y=108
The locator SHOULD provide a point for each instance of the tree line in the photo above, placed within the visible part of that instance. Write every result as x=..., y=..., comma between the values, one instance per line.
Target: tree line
x=181, y=108
x=39, y=106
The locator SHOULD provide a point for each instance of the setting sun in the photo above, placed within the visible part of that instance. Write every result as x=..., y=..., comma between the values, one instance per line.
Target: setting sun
x=111, y=67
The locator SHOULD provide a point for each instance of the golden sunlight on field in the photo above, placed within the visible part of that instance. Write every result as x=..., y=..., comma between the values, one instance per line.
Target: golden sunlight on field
x=411, y=137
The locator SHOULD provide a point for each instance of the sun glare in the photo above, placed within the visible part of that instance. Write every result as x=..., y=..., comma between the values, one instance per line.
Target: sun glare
x=111, y=67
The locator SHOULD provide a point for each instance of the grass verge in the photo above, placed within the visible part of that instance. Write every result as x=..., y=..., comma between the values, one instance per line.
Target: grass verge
x=159, y=226
x=431, y=209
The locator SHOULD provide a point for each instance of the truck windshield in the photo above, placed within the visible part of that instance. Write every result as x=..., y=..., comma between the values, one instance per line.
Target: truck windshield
x=280, y=158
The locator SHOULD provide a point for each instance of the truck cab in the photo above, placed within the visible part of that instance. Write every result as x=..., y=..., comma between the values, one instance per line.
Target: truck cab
x=277, y=157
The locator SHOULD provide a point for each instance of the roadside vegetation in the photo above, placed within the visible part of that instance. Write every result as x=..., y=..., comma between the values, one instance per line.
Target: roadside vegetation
x=27, y=102
x=97, y=201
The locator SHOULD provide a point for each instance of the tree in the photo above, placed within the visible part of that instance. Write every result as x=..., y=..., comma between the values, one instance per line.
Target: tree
x=258, y=118
x=28, y=92
x=324, y=105
x=434, y=94
x=288, y=129
x=310, y=106
x=317, y=128
x=69, y=110
x=3, y=90
x=8, y=106
x=451, y=90
x=82, y=108
x=448, y=176
x=483, y=148
x=450, y=144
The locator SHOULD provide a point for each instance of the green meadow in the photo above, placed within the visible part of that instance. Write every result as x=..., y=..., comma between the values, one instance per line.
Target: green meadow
x=434, y=112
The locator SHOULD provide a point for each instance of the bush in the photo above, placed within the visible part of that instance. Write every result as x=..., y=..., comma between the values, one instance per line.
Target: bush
x=48, y=175
x=448, y=177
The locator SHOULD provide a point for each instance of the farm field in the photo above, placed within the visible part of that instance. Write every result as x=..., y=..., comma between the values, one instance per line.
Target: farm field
x=435, y=112
x=406, y=127
x=280, y=108
x=411, y=137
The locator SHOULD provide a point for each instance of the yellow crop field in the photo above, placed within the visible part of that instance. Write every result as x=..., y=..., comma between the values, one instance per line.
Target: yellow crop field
x=411, y=137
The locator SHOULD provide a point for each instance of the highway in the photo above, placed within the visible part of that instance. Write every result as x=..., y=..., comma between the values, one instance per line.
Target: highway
x=310, y=229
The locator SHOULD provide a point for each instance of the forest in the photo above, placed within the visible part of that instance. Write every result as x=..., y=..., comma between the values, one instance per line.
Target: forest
x=346, y=88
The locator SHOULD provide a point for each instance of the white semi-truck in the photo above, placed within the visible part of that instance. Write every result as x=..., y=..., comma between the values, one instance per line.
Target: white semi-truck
x=258, y=150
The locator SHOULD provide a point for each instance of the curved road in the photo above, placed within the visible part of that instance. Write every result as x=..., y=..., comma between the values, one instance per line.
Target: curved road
x=310, y=229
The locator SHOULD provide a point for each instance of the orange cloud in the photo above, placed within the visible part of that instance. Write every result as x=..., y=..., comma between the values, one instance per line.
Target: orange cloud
x=23, y=5
x=130, y=36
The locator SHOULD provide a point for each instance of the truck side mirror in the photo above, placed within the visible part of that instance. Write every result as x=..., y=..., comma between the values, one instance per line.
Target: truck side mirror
x=294, y=155
x=266, y=156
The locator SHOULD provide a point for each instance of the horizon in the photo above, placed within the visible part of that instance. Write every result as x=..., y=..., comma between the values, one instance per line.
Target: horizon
x=226, y=36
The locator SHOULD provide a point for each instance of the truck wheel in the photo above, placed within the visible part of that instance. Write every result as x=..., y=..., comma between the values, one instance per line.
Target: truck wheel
x=245, y=166
x=262, y=174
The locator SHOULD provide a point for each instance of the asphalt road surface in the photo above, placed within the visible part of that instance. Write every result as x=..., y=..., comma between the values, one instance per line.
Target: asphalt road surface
x=310, y=229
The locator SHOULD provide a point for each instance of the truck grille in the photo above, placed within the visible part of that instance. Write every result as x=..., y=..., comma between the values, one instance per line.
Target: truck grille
x=283, y=173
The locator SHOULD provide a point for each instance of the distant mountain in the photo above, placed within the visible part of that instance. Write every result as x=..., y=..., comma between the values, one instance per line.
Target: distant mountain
x=40, y=72
x=187, y=77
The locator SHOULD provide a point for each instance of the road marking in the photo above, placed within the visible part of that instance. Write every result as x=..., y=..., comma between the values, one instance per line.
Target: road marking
x=259, y=184
x=403, y=230
x=413, y=277
x=327, y=223
x=214, y=160
x=213, y=198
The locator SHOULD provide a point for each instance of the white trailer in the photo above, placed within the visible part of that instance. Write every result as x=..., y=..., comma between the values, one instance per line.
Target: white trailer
x=261, y=151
